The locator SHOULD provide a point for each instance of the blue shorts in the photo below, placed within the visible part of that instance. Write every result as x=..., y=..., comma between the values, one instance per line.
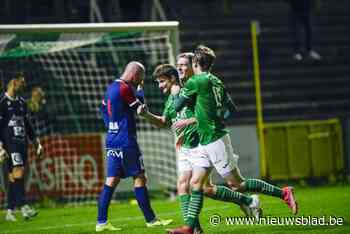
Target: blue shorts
x=124, y=162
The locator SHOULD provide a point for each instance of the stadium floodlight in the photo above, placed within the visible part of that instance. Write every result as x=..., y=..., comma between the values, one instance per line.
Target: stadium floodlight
x=74, y=63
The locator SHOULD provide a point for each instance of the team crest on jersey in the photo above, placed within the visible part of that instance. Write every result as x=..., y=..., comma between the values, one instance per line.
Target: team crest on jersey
x=115, y=153
x=8, y=103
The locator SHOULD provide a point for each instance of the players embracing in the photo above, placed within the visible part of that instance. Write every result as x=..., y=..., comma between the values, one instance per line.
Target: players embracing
x=206, y=96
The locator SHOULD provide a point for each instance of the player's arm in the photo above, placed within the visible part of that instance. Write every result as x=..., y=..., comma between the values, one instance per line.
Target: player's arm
x=183, y=97
x=30, y=132
x=140, y=93
x=182, y=123
x=180, y=102
x=231, y=107
x=156, y=120
x=129, y=97
x=3, y=153
x=2, y=116
x=104, y=113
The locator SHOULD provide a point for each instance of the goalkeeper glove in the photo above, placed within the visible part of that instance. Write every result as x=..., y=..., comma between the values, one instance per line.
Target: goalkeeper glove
x=38, y=148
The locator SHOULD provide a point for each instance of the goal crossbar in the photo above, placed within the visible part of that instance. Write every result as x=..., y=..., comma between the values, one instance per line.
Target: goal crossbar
x=171, y=26
x=89, y=27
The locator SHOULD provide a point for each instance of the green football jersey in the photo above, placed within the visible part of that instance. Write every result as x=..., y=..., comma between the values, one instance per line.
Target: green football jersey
x=189, y=133
x=210, y=95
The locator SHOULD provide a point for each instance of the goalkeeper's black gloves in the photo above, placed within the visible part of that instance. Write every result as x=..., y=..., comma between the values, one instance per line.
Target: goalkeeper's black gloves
x=38, y=148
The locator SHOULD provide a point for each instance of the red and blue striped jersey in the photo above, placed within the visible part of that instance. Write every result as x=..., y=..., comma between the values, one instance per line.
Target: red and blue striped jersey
x=118, y=112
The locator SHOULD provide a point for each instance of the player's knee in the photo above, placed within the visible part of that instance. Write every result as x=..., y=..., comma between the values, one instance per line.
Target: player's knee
x=112, y=181
x=183, y=186
x=140, y=181
x=236, y=186
x=196, y=183
x=232, y=183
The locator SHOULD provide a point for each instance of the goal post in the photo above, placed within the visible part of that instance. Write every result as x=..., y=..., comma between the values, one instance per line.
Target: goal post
x=73, y=64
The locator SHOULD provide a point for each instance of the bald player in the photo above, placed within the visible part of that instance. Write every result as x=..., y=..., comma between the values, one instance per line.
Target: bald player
x=123, y=155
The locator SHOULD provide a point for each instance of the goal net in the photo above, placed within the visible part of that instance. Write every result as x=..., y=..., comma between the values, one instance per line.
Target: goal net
x=74, y=64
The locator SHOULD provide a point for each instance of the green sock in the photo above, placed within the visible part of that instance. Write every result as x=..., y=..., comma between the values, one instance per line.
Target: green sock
x=194, y=208
x=225, y=194
x=184, y=202
x=256, y=185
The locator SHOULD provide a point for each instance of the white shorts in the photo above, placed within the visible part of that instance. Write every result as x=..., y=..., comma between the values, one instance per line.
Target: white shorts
x=188, y=158
x=221, y=155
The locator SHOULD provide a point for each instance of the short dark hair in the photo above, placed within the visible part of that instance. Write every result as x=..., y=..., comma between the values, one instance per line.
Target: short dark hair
x=204, y=56
x=188, y=55
x=166, y=70
x=12, y=76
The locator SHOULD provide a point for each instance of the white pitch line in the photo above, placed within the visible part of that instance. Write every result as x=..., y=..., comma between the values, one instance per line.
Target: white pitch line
x=33, y=230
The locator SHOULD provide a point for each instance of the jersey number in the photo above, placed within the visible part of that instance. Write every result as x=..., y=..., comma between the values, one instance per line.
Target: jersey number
x=217, y=96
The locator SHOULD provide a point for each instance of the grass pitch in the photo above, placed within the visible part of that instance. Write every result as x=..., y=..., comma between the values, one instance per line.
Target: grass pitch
x=313, y=202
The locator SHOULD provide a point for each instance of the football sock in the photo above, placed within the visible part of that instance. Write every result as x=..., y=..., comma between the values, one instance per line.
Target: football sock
x=11, y=199
x=194, y=208
x=141, y=194
x=184, y=202
x=103, y=203
x=225, y=194
x=18, y=191
x=256, y=185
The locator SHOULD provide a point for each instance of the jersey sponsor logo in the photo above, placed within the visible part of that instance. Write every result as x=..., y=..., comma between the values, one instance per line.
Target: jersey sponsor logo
x=16, y=159
x=16, y=121
x=113, y=127
x=114, y=153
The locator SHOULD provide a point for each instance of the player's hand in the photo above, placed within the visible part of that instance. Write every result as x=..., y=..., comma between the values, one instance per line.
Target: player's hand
x=39, y=150
x=142, y=109
x=179, y=141
x=3, y=153
x=140, y=86
x=175, y=90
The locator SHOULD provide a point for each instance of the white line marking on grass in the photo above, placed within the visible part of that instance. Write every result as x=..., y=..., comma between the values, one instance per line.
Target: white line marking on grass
x=94, y=223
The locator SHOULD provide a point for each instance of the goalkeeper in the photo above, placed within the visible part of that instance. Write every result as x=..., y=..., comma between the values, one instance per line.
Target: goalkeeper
x=15, y=129
x=123, y=155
